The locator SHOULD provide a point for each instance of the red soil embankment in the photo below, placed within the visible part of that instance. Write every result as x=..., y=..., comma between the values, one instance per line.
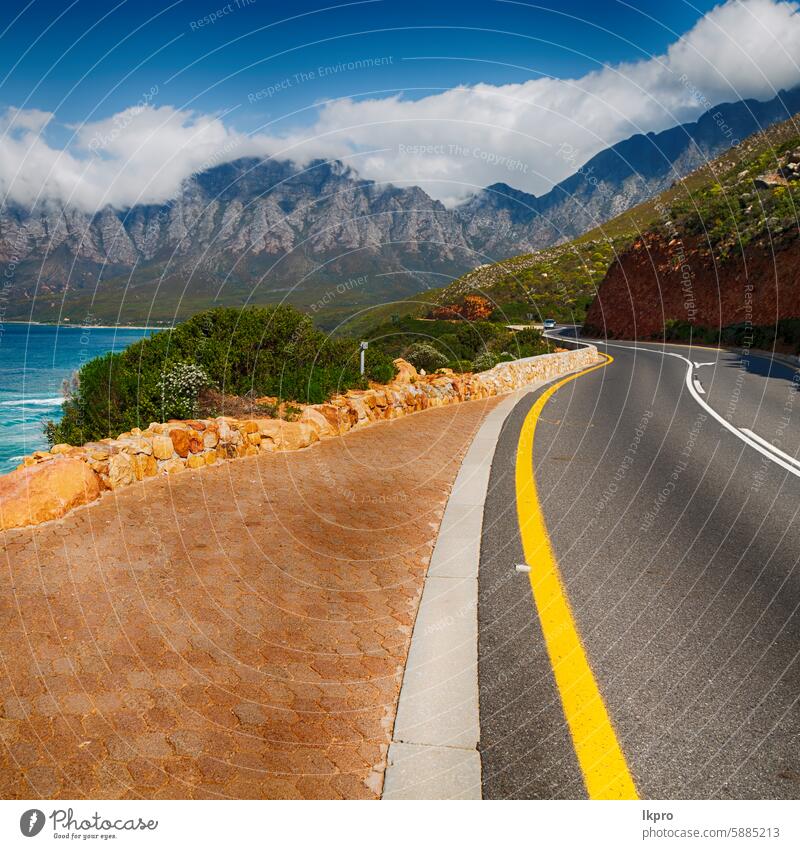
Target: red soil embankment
x=657, y=281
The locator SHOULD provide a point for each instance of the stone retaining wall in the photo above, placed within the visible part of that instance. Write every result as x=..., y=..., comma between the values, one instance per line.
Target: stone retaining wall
x=50, y=483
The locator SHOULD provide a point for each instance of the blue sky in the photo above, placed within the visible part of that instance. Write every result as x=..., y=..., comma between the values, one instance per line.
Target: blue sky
x=104, y=104
x=55, y=56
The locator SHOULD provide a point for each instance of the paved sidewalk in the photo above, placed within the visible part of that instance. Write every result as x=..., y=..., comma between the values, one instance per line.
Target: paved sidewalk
x=234, y=632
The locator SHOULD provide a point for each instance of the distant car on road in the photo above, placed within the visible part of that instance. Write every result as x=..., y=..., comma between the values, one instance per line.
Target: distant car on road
x=549, y=323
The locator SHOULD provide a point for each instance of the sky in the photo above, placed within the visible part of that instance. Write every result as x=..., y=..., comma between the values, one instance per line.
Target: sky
x=116, y=103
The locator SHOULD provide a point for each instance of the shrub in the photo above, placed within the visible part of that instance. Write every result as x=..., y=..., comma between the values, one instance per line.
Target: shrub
x=497, y=341
x=460, y=366
x=529, y=342
x=484, y=362
x=258, y=351
x=529, y=336
x=456, y=340
x=450, y=345
x=180, y=386
x=421, y=355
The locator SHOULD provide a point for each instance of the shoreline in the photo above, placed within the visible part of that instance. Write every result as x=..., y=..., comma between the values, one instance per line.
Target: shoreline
x=70, y=326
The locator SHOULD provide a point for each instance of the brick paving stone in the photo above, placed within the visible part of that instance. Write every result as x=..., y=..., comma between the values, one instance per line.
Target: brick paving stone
x=234, y=632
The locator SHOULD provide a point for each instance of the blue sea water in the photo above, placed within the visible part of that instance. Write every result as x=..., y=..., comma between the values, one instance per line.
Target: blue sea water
x=35, y=359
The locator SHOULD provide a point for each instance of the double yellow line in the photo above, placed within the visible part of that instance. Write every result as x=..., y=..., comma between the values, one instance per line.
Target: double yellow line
x=599, y=754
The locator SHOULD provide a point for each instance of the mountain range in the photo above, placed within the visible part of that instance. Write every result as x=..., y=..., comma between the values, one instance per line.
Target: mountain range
x=322, y=237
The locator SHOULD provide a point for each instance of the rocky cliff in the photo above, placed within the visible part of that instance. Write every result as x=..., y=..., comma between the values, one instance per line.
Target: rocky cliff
x=660, y=282
x=725, y=256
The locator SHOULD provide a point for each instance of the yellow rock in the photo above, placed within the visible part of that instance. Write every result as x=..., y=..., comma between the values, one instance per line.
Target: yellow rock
x=298, y=435
x=172, y=467
x=120, y=471
x=180, y=441
x=406, y=373
x=196, y=461
x=162, y=447
x=324, y=425
x=363, y=412
x=144, y=466
x=99, y=466
x=47, y=491
x=287, y=436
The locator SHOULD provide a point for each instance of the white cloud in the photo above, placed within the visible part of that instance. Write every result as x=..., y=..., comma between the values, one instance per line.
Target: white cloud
x=140, y=155
x=450, y=143
x=24, y=120
x=513, y=133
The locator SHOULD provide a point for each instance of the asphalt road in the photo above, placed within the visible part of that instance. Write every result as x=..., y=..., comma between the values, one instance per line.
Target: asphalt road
x=678, y=545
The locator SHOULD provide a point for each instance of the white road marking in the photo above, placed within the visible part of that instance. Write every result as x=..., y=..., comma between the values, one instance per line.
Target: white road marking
x=770, y=447
x=700, y=365
x=752, y=440
x=698, y=386
x=726, y=424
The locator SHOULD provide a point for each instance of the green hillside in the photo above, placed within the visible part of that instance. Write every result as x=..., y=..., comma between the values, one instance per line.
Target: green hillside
x=745, y=195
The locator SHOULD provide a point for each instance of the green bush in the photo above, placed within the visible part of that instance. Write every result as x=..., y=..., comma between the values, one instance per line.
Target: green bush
x=529, y=336
x=499, y=343
x=421, y=355
x=451, y=346
x=483, y=362
x=460, y=366
x=256, y=351
x=528, y=342
x=462, y=340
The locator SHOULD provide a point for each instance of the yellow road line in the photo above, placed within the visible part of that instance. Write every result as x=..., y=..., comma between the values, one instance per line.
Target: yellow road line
x=599, y=754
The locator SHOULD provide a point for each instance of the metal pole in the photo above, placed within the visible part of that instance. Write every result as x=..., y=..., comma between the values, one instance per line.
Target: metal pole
x=364, y=346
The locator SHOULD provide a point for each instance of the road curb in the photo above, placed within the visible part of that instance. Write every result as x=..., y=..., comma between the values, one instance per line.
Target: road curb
x=434, y=749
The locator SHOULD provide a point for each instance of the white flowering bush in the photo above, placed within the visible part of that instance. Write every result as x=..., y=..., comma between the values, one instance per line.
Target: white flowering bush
x=421, y=355
x=180, y=386
x=483, y=362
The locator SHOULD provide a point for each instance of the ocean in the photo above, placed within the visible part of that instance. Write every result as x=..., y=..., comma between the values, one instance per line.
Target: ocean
x=35, y=359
